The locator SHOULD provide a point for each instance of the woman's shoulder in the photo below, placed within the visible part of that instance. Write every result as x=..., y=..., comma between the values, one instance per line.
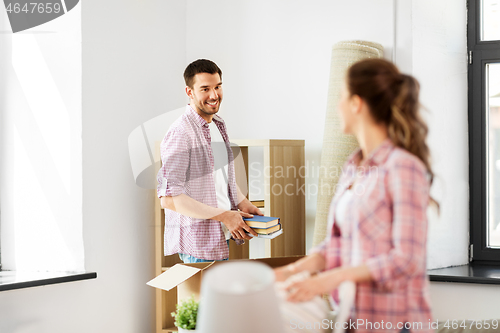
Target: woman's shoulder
x=401, y=158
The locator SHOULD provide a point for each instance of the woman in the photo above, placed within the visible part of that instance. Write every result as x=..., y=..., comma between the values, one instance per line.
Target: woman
x=377, y=231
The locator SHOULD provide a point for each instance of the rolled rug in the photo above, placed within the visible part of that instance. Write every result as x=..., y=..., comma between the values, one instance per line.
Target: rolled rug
x=337, y=146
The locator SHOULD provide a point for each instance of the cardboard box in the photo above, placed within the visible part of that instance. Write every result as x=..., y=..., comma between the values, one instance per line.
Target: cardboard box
x=186, y=280
x=185, y=277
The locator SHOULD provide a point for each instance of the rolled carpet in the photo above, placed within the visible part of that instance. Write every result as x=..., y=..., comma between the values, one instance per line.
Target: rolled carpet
x=337, y=146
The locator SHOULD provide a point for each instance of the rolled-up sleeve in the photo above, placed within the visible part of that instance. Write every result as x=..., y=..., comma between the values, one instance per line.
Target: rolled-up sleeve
x=175, y=155
x=408, y=188
x=320, y=248
x=330, y=250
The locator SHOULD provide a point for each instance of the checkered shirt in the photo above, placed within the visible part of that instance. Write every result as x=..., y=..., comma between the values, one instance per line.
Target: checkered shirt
x=187, y=168
x=388, y=210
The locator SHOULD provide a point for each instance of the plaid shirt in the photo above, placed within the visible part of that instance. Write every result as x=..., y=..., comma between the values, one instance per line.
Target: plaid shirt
x=187, y=168
x=386, y=219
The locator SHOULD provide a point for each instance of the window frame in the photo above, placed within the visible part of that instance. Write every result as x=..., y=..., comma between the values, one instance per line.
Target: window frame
x=480, y=53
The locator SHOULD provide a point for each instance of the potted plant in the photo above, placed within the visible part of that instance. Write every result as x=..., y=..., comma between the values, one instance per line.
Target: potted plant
x=185, y=316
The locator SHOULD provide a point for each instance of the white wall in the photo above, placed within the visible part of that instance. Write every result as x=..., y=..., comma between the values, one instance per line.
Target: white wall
x=133, y=58
x=465, y=301
x=440, y=64
x=275, y=57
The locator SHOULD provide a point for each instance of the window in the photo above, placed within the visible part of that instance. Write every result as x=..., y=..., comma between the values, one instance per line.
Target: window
x=483, y=41
x=40, y=146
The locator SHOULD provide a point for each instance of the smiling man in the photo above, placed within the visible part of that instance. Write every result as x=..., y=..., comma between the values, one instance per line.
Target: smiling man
x=196, y=183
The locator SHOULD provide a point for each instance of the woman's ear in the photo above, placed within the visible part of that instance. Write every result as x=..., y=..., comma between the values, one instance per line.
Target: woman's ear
x=356, y=104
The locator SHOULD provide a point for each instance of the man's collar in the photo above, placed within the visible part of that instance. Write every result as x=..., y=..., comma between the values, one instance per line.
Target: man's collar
x=199, y=120
x=195, y=117
x=217, y=118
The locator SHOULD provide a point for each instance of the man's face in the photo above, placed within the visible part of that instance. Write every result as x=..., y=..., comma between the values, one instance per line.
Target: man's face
x=206, y=94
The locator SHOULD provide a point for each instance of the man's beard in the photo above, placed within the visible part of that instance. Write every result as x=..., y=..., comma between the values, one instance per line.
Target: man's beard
x=207, y=109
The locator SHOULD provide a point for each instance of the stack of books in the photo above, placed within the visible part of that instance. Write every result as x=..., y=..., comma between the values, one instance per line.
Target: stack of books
x=265, y=226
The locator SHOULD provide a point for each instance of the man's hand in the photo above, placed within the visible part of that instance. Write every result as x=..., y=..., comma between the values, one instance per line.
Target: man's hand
x=246, y=206
x=234, y=222
x=167, y=203
x=233, y=219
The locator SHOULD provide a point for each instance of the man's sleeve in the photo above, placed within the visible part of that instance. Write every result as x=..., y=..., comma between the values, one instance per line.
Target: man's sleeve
x=175, y=156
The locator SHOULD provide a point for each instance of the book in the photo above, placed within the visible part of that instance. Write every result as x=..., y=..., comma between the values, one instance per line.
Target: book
x=267, y=231
x=270, y=236
x=258, y=203
x=262, y=222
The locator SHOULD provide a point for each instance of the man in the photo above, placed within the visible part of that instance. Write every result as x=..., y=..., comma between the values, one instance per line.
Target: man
x=201, y=200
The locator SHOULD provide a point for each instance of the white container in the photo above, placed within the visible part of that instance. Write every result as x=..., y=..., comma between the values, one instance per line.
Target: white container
x=182, y=330
x=239, y=297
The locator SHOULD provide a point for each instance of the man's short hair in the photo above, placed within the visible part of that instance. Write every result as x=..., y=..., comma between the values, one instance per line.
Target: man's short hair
x=200, y=66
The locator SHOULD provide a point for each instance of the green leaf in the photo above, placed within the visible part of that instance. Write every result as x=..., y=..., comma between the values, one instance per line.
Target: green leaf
x=186, y=314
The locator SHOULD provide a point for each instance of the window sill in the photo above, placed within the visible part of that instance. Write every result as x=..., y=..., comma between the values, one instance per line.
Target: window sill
x=471, y=273
x=10, y=280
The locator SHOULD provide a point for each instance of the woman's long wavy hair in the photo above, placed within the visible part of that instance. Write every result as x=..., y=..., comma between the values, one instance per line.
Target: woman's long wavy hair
x=392, y=98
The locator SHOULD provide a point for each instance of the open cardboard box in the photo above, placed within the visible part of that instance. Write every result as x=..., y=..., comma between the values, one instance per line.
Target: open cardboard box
x=186, y=280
